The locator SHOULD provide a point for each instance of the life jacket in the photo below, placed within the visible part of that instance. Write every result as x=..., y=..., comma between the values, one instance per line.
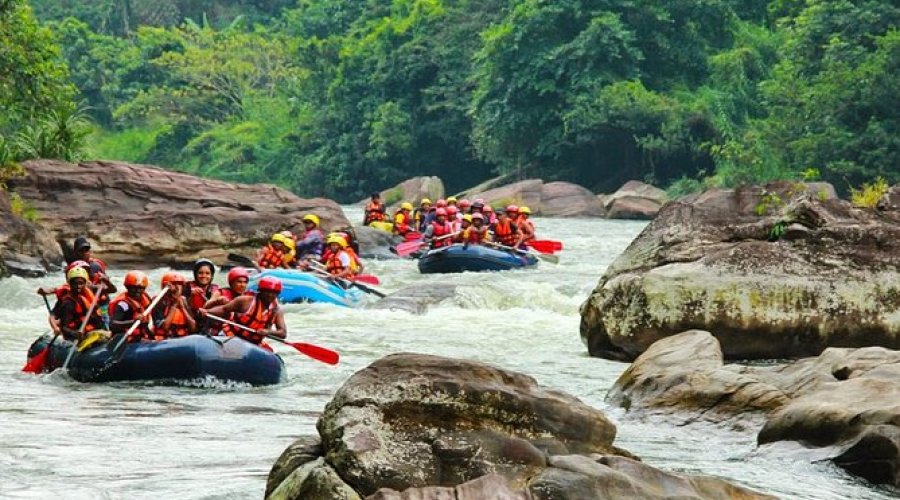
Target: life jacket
x=197, y=300
x=334, y=264
x=355, y=258
x=135, y=308
x=438, y=231
x=473, y=235
x=374, y=212
x=82, y=304
x=256, y=317
x=178, y=327
x=401, y=222
x=271, y=258
x=506, y=233
x=527, y=228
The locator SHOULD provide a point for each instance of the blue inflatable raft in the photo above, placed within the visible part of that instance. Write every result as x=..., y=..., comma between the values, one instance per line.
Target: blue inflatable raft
x=300, y=286
x=476, y=258
x=186, y=358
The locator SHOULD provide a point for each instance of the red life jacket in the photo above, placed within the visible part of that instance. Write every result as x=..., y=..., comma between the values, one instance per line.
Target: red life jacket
x=474, y=235
x=197, y=300
x=135, y=308
x=374, y=212
x=82, y=304
x=504, y=231
x=438, y=231
x=256, y=317
x=271, y=258
x=178, y=327
x=401, y=227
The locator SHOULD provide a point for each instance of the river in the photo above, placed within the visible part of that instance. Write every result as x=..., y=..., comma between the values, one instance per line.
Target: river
x=211, y=440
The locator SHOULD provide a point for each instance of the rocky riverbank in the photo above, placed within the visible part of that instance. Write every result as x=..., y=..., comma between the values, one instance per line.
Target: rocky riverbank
x=845, y=402
x=426, y=427
x=776, y=271
x=147, y=216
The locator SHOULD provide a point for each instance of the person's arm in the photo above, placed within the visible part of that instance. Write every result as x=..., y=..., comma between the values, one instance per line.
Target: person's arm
x=238, y=304
x=188, y=316
x=280, y=330
x=120, y=319
x=429, y=232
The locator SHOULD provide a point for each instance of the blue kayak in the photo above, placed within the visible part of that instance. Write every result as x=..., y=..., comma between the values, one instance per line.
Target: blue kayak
x=185, y=358
x=300, y=286
x=475, y=258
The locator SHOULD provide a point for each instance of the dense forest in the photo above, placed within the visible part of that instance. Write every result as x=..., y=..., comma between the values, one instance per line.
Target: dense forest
x=342, y=97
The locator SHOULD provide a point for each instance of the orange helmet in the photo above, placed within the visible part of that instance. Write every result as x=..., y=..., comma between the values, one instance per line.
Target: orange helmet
x=172, y=277
x=136, y=278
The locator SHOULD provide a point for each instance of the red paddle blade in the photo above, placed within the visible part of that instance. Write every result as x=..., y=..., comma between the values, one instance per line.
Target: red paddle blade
x=412, y=235
x=542, y=246
x=316, y=352
x=370, y=279
x=36, y=364
x=408, y=247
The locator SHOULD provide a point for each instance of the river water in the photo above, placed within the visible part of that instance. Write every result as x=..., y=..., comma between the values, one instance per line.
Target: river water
x=211, y=440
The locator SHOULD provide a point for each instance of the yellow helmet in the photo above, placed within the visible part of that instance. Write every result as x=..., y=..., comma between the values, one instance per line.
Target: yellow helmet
x=336, y=238
x=524, y=210
x=406, y=206
x=77, y=272
x=311, y=218
x=451, y=199
x=424, y=201
x=280, y=238
x=467, y=217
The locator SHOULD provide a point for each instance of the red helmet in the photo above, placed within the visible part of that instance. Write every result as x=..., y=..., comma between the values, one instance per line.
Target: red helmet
x=464, y=203
x=440, y=211
x=441, y=203
x=172, y=277
x=78, y=263
x=452, y=210
x=512, y=209
x=269, y=284
x=136, y=278
x=237, y=272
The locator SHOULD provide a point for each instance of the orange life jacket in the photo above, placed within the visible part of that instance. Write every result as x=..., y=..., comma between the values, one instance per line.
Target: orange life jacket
x=374, y=212
x=271, y=258
x=353, y=256
x=135, y=308
x=473, y=235
x=256, y=317
x=334, y=265
x=401, y=227
x=527, y=228
x=438, y=231
x=178, y=327
x=82, y=304
x=504, y=232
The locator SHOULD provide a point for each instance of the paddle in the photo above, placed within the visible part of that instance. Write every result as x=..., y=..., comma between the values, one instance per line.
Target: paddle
x=549, y=258
x=38, y=361
x=319, y=269
x=84, y=323
x=369, y=279
x=243, y=260
x=318, y=353
x=118, y=348
x=545, y=246
x=409, y=247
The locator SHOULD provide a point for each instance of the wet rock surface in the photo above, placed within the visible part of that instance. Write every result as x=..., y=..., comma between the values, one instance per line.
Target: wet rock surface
x=810, y=272
x=634, y=200
x=26, y=248
x=416, y=426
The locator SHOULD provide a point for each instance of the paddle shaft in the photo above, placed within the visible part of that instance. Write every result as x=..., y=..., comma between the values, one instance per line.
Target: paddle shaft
x=549, y=258
x=137, y=322
x=316, y=352
x=87, y=318
x=321, y=270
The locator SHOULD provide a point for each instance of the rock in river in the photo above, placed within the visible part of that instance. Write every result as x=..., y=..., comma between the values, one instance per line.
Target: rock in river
x=425, y=427
x=783, y=270
x=146, y=216
x=845, y=401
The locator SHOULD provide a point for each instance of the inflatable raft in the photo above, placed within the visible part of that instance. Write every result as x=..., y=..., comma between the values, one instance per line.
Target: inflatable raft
x=475, y=258
x=299, y=286
x=186, y=358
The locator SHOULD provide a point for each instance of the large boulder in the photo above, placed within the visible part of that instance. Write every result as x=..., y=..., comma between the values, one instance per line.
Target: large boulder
x=634, y=200
x=552, y=199
x=26, y=248
x=140, y=215
x=424, y=427
x=375, y=243
x=845, y=401
x=411, y=190
x=781, y=271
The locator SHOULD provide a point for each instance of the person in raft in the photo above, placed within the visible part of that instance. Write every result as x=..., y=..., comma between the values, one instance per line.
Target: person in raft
x=259, y=313
x=96, y=271
x=338, y=262
x=173, y=316
x=375, y=210
x=271, y=256
x=312, y=246
x=129, y=306
x=403, y=219
x=238, y=278
x=74, y=306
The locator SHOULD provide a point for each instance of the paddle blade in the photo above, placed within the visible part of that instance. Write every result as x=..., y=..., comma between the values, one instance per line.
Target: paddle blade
x=318, y=353
x=408, y=247
x=547, y=257
x=542, y=246
x=412, y=235
x=36, y=364
x=369, y=279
